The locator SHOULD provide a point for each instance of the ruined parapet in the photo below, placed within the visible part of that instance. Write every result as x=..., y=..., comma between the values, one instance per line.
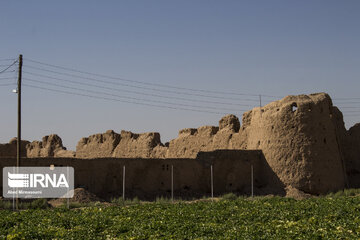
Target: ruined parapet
x=298, y=138
x=98, y=145
x=50, y=146
x=10, y=149
x=229, y=126
x=123, y=145
x=148, y=145
x=191, y=141
x=142, y=145
x=229, y=122
x=207, y=138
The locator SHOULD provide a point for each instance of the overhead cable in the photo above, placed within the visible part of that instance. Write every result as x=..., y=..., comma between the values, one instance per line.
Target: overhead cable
x=135, y=92
x=146, y=83
x=124, y=101
x=126, y=97
x=8, y=67
x=140, y=87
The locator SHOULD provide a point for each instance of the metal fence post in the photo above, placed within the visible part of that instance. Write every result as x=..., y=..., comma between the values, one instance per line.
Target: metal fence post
x=252, y=181
x=172, y=183
x=67, y=177
x=123, y=193
x=212, y=182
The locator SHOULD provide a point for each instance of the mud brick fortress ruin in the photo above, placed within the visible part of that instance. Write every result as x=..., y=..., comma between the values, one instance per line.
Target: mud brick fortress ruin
x=298, y=142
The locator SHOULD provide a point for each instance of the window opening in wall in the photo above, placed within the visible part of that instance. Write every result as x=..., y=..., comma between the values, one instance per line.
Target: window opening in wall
x=294, y=107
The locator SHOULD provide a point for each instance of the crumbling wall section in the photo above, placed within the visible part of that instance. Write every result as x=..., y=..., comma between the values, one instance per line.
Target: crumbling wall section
x=50, y=146
x=10, y=149
x=145, y=145
x=98, y=145
x=207, y=138
x=298, y=138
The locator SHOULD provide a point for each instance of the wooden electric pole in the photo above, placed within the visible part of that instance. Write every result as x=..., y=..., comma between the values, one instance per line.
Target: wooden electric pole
x=19, y=124
x=19, y=113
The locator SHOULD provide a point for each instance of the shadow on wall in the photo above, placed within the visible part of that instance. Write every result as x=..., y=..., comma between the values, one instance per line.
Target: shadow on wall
x=10, y=149
x=151, y=178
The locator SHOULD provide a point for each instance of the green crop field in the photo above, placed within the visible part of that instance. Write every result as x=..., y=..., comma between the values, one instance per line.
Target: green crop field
x=240, y=218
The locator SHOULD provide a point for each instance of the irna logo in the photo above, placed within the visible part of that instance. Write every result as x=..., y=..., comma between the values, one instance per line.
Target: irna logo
x=37, y=180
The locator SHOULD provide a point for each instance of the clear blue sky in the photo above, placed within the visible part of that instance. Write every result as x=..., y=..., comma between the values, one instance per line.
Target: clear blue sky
x=253, y=47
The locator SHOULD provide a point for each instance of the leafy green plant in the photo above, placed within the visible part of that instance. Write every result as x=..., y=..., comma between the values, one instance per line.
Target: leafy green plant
x=242, y=218
x=346, y=192
x=229, y=196
x=118, y=201
x=40, y=203
x=162, y=200
x=4, y=204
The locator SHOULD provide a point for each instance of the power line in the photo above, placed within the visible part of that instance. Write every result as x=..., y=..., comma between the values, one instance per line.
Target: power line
x=340, y=99
x=136, y=92
x=139, y=87
x=351, y=112
x=124, y=101
x=8, y=71
x=140, y=93
x=125, y=97
x=8, y=67
x=11, y=71
x=9, y=59
x=146, y=83
x=137, y=103
x=352, y=102
x=352, y=115
x=7, y=84
x=350, y=107
x=4, y=65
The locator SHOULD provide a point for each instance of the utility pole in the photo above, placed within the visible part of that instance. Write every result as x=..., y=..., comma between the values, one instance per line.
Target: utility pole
x=19, y=124
x=19, y=112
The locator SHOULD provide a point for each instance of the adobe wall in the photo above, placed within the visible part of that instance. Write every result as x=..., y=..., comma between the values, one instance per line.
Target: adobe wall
x=50, y=146
x=351, y=149
x=10, y=149
x=303, y=139
x=148, y=178
x=298, y=138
